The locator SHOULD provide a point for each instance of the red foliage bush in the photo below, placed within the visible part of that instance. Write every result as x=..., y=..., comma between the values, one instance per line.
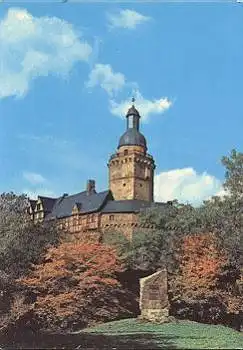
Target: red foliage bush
x=76, y=286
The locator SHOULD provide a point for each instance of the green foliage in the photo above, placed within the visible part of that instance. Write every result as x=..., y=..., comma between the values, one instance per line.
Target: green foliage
x=118, y=241
x=21, y=241
x=234, y=173
x=147, y=251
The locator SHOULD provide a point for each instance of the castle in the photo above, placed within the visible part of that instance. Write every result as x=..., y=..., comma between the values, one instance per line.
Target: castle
x=131, y=190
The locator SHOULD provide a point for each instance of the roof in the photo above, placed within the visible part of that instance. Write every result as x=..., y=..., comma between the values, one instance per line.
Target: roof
x=86, y=203
x=32, y=203
x=129, y=206
x=132, y=137
x=47, y=203
x=133, y=111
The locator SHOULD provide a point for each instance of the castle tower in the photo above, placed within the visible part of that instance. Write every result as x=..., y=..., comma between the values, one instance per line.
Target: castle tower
x=131, y=169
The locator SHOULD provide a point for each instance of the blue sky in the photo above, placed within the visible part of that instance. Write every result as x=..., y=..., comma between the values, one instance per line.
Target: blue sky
x=67, y=75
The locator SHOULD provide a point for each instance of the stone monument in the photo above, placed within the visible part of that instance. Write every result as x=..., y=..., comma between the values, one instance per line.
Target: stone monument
x=154, y=303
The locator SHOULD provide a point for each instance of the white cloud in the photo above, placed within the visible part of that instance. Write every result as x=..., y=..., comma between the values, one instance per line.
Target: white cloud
x=32, y=47
x=127, y=19
x=33, y=178
x=145, y=107
x=103, y=75
x=186, y=185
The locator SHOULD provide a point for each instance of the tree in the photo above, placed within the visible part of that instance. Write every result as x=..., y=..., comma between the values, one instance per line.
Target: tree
x=201, y=290
x=76, y=286
x=151, y=249
x=234, y=173
x=169, y=245
x=16, y=308
x=21, y=241
x=118, y=241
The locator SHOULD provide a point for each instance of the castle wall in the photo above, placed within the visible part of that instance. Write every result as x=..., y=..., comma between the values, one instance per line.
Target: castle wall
x=78, y=222
x=119, y=222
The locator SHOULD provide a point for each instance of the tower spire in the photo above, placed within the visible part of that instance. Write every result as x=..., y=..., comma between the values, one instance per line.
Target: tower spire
x=133, y=117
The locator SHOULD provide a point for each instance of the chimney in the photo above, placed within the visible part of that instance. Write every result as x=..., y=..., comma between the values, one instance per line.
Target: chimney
x=90, y=189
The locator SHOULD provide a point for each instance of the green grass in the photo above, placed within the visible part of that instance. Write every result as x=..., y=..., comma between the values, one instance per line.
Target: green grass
x=135, y=334
x=131, y=334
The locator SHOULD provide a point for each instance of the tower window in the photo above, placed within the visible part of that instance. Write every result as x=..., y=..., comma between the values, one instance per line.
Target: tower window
x=124, y=185
x=125, y=152
x=111, y=217
x=130, y=121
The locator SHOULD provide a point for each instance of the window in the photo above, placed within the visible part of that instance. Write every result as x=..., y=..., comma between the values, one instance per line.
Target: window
x=130, y=121
x=111, y=217
x=147, y=173
x=38, y=207
x=125, y=152
x=124, y=184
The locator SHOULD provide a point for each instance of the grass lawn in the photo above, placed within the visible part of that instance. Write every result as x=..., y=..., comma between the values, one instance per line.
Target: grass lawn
x=135, y=334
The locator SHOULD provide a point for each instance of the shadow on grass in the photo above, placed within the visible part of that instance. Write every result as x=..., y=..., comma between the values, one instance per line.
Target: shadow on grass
x=90, y=341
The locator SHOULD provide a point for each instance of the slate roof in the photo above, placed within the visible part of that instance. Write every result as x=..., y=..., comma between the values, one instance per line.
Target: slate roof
x=129, y=206
x=86, y=202
x=132, y=137
x=48, y=203
x=133, y=111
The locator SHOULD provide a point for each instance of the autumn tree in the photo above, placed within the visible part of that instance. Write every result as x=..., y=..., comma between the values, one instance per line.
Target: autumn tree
x=76, y=286
x=201, y=290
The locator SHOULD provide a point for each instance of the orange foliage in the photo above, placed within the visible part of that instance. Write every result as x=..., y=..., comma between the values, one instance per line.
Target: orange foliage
x=204, y=280
x=201, y=263
x=73, y=279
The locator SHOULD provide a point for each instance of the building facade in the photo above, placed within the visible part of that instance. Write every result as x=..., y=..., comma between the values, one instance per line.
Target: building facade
x=131, y=189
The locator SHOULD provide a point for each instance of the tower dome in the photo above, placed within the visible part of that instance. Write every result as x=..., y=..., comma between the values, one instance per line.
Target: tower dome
x=132, y=136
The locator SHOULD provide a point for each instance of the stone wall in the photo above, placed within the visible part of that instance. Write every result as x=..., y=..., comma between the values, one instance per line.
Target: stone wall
x=125, y=223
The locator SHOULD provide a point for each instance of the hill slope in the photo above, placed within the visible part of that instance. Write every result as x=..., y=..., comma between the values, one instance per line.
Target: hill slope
x=134, y=334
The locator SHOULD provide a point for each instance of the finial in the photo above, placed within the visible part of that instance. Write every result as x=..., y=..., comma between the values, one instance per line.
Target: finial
x=133, y=100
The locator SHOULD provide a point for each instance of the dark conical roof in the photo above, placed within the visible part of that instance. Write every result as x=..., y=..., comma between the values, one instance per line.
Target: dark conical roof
x=132, y=137
x=133, y=111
